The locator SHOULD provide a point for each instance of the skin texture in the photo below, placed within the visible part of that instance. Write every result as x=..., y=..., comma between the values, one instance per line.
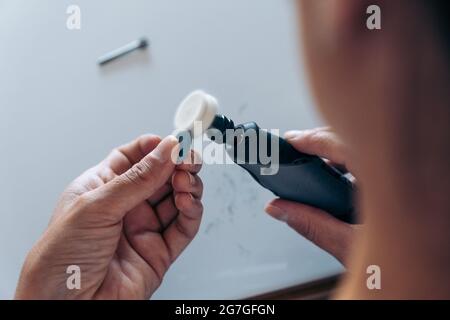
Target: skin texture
x=386, y=95
x=123, y=222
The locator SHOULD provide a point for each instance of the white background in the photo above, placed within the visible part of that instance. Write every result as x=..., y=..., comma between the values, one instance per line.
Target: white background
x=60, y=114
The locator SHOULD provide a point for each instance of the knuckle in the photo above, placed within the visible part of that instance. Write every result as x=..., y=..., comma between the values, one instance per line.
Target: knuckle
x=181, y=203
x=88, y=210
x=178, y=180
x=144, y=137
x=307, y=139
x=318, y=137
x=139, y=172
x=154, y=161
x=307, y=229
x=84, y=202
x=186, y=232
x=325, y=142
x=310, y=230
x=117, y=153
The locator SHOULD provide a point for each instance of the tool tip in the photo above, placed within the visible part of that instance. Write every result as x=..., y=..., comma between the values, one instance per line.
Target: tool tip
x=197, y=107
x=143, y=43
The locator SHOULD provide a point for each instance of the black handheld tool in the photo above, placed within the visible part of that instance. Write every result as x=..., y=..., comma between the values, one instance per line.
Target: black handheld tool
x=300, y=177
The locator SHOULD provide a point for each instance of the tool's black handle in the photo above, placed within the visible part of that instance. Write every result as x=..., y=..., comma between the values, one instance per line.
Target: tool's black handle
x=303, y=178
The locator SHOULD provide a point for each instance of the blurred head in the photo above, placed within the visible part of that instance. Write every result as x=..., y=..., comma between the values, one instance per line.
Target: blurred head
x=371, y=85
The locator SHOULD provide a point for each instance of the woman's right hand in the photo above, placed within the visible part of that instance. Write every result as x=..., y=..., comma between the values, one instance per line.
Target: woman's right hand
x=327, y=232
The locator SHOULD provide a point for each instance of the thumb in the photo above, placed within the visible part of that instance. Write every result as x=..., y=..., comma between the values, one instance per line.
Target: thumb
x=142, y=180
x=319, y=227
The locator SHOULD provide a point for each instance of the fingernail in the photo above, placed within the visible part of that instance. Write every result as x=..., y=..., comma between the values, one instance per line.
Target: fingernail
x=196, y=158
x=277, y=212
x=191, y=179
x=172, y=140
x=165, y=144
x=292, y=134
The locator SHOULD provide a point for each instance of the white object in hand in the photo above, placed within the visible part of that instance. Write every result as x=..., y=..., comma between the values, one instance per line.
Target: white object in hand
x=197, y=106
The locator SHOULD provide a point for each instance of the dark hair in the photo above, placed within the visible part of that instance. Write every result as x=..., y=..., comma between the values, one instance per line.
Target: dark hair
x=440, y=9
